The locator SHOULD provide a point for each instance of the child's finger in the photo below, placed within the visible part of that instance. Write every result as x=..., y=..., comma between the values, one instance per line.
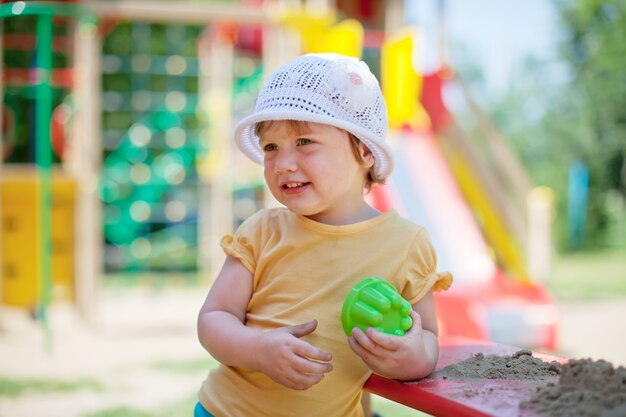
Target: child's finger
x=300, y=330
x=304, y=381
x=385, y=341
x=307, y=366
x=307, y=350
x=363, y=340
x=358, y=349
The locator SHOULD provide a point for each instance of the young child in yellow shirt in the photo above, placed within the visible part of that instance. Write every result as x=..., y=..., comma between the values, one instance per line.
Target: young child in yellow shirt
x=273, y=316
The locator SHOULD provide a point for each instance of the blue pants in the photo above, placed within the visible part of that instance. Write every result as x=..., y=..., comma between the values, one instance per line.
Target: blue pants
x=199, y=411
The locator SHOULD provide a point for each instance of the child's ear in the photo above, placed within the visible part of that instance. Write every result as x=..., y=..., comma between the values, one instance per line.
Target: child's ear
x=366, y=155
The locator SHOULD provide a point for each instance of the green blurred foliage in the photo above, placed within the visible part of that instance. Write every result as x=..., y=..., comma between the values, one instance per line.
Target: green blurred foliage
x=10, y=388
x=595, y=49
x=574, y=109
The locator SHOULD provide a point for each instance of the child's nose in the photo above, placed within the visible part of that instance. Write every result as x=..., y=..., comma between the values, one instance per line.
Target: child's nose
x=285, y=161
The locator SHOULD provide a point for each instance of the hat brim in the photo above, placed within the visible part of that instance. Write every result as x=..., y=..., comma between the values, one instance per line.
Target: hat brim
x=248, y=142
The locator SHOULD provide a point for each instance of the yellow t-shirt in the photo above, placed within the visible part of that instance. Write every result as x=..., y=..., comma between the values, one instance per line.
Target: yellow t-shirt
x=303, y=270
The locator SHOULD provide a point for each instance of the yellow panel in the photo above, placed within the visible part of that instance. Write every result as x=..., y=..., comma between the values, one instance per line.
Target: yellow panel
x=345, y=38
x=20, y=237
x=401, y=84
x=311, y=27
x=20, y=286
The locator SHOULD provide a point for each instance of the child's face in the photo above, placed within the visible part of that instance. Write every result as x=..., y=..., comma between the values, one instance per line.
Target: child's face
x=314, y=172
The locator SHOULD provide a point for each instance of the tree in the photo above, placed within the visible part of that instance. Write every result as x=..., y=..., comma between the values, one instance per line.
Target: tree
x=574, y=109
x=595, y=49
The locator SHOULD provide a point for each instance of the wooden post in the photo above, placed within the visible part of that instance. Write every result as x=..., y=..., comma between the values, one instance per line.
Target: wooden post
x=394, y=16
x=177, y=11
x=85, y=166
x=216, y=83
x=279, y=47
x=204, y=254
x=540, y=213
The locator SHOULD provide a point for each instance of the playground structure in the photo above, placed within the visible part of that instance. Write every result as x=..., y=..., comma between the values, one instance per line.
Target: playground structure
x=149, y=158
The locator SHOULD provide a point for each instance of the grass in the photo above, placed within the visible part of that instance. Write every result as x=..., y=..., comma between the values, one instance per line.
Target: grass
x=119, y=412
x=154, y=280
x=589, y=275
x=16, y=387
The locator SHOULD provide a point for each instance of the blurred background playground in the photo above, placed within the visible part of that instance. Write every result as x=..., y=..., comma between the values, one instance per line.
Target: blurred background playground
x=118, y=177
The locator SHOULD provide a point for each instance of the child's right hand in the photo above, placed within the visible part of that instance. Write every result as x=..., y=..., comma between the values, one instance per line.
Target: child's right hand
x=290, y=361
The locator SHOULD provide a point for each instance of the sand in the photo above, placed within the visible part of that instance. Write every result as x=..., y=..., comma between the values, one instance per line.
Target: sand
x=586, y=388
x=520, y=365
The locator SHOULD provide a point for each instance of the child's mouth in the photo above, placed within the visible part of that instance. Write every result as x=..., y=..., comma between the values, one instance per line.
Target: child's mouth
x=294, y=186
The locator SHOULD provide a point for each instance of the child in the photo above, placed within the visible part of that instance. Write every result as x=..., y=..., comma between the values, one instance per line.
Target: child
x=273, y=316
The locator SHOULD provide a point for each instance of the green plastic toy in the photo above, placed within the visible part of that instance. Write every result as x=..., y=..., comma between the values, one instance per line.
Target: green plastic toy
x=375, y=303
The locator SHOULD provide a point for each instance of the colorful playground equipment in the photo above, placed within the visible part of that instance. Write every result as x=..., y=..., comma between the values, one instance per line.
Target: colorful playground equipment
x=437, y=183
x=38, y=203
x=151, y=169
x=129, y=151
x=484, y=302
x=150, y=141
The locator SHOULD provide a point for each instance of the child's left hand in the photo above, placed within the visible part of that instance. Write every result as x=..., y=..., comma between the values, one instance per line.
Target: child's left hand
x=396, y=357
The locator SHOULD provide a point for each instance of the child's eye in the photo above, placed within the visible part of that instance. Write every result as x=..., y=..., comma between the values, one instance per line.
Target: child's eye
x=304, y=141
x=270, y=147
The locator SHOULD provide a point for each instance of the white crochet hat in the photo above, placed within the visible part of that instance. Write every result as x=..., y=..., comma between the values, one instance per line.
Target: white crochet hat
x=325, y=88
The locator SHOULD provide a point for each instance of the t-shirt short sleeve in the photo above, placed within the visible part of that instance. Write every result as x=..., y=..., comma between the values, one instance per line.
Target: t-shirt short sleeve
x=421, y=270
x=241, y=245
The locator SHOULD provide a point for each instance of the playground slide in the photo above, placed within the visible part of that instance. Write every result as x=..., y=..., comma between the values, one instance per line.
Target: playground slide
x=486, y=196
x=483, y=302
x=495, y=188
x=423, y=189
